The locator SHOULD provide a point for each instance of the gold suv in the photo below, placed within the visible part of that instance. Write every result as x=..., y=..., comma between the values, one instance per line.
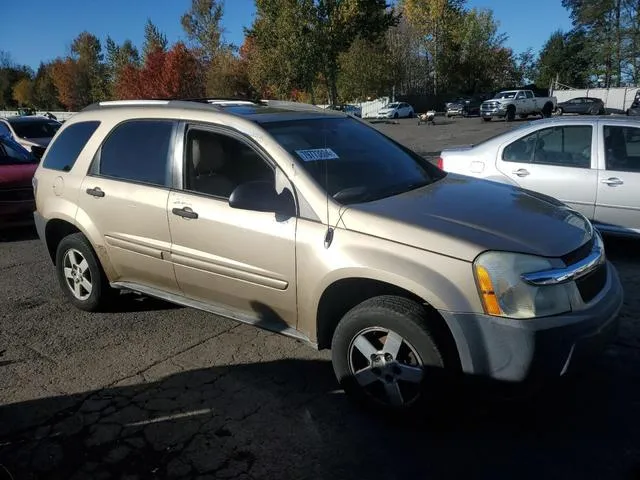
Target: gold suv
x=313, y=224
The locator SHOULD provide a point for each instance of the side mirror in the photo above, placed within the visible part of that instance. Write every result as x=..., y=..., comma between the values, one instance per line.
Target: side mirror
x=261, y=196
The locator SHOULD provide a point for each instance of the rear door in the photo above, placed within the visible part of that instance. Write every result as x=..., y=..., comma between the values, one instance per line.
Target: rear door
x=558, y=161
x=618, y=200
x=124, y=198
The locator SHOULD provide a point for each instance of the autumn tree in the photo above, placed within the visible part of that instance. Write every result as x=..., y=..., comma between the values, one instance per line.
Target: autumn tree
x=119, y=57
x=172, y=74
x=92, y=82
x=10, y=74
x=23, y=92
x=67, y=78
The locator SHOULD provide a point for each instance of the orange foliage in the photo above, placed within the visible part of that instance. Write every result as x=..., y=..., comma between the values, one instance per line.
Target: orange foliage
x=65, y=75
x=172, y=74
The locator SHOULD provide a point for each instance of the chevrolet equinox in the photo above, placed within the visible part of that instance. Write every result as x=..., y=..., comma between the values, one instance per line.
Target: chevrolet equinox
x=313, y=224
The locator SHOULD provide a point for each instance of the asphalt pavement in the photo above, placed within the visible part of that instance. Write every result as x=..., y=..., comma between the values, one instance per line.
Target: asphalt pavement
x=152, y=391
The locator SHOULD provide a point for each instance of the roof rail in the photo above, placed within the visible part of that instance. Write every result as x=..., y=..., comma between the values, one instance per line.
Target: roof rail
x=116, y=103
x=292, y=105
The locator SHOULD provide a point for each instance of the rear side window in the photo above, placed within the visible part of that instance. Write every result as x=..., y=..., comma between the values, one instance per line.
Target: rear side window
x=63, y=152
x=138, y=151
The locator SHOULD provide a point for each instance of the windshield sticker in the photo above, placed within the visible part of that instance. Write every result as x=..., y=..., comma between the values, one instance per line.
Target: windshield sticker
x=315, y=154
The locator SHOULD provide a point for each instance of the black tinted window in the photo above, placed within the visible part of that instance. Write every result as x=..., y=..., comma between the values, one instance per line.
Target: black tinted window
x=216, y=164
x=566, y=146
x=622, y=148
x=63, y=152
x=138, y=151
x=35, y=128
x=353, y=162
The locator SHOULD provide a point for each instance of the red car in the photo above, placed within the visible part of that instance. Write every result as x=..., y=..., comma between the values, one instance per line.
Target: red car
x=17, y=166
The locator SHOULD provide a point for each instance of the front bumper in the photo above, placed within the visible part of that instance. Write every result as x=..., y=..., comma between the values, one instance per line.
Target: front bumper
x=386, y=115
x=492, y=112
x=524, y=350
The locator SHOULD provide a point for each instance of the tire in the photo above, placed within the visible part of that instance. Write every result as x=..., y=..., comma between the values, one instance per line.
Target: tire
x=511, y=114
x=486, y=119
x=395, y=115
x=386, y=390
x=547, y=110
x=73, y=251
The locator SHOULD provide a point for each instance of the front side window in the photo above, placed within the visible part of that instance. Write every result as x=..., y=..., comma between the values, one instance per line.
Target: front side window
x=215, y=164
x=622, y=148
x=63, y=152
x=138, y=151
x=565, y=146
x=351, y=161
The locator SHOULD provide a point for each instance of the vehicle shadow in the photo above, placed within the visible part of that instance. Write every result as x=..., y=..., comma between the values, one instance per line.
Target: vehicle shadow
x=134, y=302
x=19, y=234
x=286, y=419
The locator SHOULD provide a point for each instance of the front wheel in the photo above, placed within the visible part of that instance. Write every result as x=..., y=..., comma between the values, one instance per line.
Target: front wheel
x=486, y=119
x=511, y=114
x=384, y=354
x=80, y=274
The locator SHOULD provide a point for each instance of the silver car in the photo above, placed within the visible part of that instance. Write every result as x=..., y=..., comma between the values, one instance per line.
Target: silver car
x=591, y=164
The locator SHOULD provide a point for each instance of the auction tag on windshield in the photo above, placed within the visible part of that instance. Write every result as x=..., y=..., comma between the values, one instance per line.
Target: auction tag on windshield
x=315, y=154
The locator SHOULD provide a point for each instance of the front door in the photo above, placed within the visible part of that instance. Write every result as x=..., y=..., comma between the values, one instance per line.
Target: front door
x=239, y=260
x=124, y=198
x=556, y=161
x=618, y=199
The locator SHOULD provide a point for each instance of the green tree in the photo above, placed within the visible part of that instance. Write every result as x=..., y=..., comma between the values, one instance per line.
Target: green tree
x=366, y=70
x=92, y=82
x=118, y=57
x=565, y=56
x=154, y=40
x=297, y=40
x=202, y=24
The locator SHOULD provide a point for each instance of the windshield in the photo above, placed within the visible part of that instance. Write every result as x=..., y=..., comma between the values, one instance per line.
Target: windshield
x=353, y=162
x=507, y=95
x=12, y=153
x=35, y=128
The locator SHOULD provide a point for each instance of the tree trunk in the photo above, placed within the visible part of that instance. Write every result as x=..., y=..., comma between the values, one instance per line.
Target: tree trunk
x=618, y=6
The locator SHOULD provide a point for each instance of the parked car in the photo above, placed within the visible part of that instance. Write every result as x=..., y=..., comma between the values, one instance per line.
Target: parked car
x=349, y=109
x=396, y=110
x=32, y=132
x=509, y=103
x=465, y=107
x=592, y=165
x=582, y=106
x=17, y=166
x=314, y=224
x=634, y=109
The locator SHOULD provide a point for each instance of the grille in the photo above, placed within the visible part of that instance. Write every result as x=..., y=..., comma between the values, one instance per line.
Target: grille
x=16, y=194
x=591, y=285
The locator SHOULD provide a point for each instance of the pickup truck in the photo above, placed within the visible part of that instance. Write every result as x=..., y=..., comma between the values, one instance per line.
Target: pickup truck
x=510, y=103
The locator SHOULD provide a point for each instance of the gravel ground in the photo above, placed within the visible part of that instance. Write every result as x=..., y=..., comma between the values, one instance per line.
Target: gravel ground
x=156, y=391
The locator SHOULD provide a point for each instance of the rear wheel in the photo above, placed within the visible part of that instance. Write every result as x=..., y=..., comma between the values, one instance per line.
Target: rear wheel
x=384, y=354
x=80, y=274
x=547, y=110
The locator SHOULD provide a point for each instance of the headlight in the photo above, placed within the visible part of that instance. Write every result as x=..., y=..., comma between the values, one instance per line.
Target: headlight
x=505, y=294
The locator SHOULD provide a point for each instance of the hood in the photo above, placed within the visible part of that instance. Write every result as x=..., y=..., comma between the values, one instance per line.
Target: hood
x=18, y=175
x=462, y=216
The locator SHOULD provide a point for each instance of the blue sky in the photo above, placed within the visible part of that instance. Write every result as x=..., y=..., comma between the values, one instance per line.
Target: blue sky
x=31, y=37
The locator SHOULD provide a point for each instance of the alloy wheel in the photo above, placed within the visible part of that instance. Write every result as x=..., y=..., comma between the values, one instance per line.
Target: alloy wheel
x=386, y=366
x=77, y=274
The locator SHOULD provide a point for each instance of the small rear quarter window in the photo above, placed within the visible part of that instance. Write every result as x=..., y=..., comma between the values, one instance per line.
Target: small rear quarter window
x=63, y=152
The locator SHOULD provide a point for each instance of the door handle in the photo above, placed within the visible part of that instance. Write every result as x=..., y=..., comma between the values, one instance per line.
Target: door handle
x=612, y=182
x=521, y=172
x=95, y=192
x=185, y=212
